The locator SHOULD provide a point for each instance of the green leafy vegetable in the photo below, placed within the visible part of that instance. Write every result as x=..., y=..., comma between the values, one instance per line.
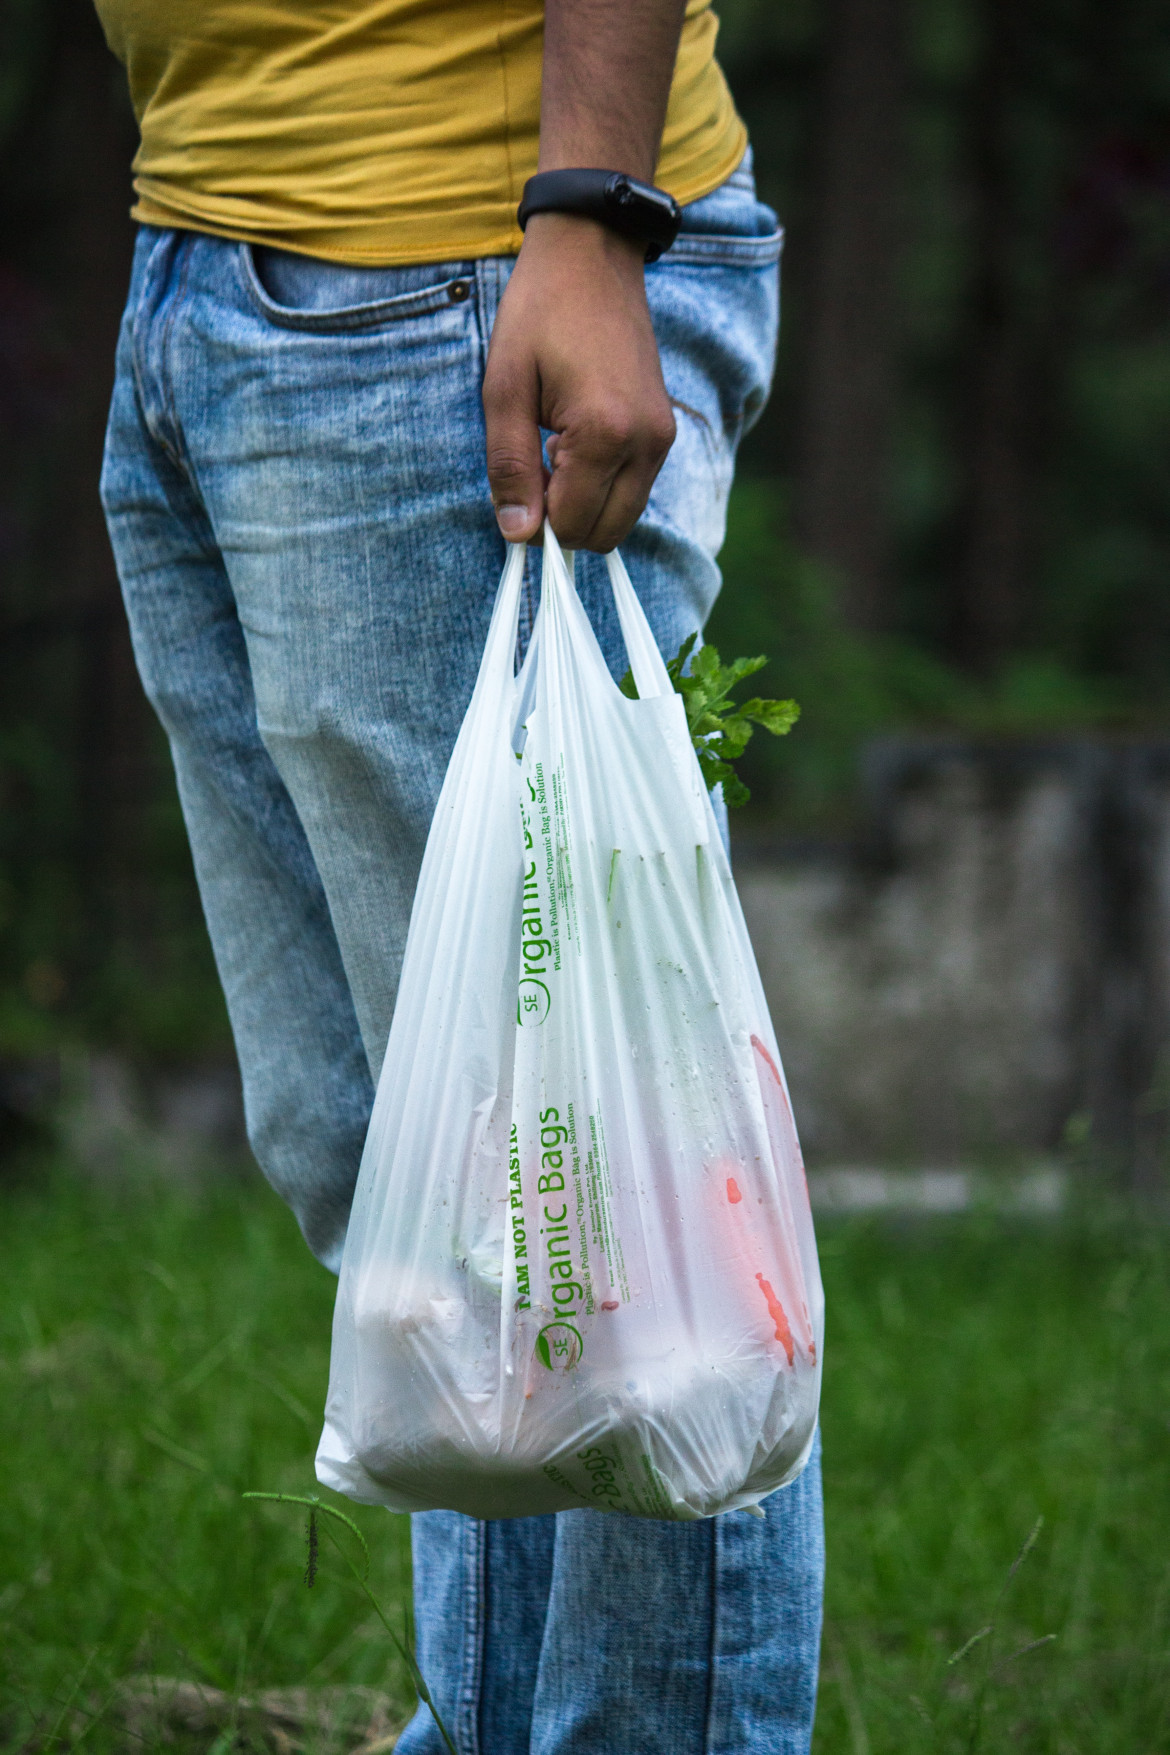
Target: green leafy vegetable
x=720, y=728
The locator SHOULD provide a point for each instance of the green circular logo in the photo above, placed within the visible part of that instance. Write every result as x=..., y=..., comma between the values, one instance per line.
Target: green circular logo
x=559, y=1346
x=533, y=1003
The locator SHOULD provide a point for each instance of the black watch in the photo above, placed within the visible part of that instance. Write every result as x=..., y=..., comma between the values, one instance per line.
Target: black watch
x=636, y=210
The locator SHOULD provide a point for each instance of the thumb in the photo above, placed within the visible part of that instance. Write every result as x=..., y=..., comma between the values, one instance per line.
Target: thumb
x=514, y=463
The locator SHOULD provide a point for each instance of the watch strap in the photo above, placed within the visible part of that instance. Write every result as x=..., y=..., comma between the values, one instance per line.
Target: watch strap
x=634, y=209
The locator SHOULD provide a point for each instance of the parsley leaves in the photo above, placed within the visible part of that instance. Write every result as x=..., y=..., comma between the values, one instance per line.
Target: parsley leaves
x=720, y=728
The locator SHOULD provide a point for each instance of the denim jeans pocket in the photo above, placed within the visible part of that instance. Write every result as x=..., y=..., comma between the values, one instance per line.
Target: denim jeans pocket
x=306, y=293
x=727, y=249
x=729, y=228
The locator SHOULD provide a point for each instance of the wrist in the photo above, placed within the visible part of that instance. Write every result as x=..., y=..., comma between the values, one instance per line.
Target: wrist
x=585, y=241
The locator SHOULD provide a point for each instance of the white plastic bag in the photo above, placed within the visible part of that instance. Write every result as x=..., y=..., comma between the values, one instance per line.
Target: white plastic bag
x=580, y=1268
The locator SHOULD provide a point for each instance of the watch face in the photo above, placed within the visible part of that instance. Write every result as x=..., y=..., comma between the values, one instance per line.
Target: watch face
x=652, y=211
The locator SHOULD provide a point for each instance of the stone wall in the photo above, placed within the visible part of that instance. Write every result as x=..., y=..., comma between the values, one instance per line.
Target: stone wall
x=985, y=969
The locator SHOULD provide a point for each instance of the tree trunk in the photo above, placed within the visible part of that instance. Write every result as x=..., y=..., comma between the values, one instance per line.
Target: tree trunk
x=1000, y=387
x=851, y=340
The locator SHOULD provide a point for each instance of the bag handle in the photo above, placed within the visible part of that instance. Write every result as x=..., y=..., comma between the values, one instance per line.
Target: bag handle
x=650, y=674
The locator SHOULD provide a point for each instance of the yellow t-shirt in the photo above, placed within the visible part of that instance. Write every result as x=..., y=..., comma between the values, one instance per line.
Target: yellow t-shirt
x=370, y=131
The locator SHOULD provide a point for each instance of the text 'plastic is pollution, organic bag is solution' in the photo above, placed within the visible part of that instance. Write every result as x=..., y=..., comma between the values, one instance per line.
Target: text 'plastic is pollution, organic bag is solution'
x=580, y=1268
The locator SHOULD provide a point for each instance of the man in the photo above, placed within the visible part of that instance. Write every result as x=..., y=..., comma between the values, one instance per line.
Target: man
x=340, y=352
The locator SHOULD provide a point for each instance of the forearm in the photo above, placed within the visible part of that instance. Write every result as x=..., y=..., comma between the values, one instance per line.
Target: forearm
x=573, y=347
x=608, y=65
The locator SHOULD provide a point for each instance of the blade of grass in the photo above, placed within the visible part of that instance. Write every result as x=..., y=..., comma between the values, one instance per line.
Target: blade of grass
x=980, y=1705
x=317, y=1505
x=843, y=1676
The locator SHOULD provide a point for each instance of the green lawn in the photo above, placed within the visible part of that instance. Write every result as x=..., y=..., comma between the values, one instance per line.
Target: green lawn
x=162, y=1351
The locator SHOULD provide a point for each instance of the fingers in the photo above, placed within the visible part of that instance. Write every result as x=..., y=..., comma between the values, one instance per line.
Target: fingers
x=604, y=466
x=602, y=470
x=624, y=505
x=511, y=402
x=573, y=351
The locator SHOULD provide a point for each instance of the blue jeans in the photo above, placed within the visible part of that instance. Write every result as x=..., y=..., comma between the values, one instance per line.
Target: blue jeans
x=296, y=494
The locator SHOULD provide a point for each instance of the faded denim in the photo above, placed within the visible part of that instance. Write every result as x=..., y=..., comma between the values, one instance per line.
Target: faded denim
x=295, y=489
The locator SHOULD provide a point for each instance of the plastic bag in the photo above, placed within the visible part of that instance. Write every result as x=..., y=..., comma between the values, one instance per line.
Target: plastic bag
x=580, y=1268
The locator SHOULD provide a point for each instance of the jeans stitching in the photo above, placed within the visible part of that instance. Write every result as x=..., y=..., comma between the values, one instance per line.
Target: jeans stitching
x=713, y=1645
x=718, y=249
x=134, y=338
x=140, y=356
x=167, y=376
x=487, y=299
x=470, y=1688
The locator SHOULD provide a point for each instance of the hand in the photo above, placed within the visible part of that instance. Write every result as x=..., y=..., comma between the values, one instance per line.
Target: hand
x=573, y=350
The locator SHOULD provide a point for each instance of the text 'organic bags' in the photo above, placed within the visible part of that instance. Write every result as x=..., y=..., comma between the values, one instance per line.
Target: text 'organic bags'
x=580, y=1268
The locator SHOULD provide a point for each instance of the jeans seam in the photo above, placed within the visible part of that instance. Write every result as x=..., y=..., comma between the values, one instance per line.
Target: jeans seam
x=487, y=303
x=136, y=365
x=186, y=249
x=140, y=339
x=471, y=1682
x=713, y=1645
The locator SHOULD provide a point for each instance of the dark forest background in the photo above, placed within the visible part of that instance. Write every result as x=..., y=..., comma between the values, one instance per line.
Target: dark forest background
x=955, y=512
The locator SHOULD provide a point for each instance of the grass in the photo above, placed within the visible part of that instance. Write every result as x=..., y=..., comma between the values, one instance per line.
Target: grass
x=162, y=1351
x=977, y=1380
